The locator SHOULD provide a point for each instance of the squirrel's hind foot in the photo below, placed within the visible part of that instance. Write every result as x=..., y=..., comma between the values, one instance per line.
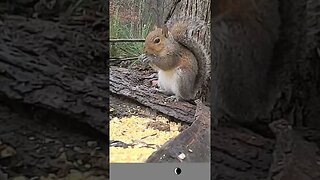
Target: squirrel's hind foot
x=158, y=90
x=172, y=98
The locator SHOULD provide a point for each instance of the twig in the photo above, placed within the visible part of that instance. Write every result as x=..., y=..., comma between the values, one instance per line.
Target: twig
x=123, y=59
x=126, y=40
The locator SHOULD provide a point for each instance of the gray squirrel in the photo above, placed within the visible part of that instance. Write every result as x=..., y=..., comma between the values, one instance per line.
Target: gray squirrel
x=183, y=64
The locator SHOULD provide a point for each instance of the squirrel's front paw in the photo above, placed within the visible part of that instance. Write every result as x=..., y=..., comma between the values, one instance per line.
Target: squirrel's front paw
x=143, y=58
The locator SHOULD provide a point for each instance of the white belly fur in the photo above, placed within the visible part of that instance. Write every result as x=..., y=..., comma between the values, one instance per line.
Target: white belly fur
x=167, y=81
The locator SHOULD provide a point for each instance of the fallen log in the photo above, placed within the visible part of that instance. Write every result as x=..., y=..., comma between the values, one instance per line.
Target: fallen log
x=53, y=67
x=129, y=83
x=192, y=145
x=238, y=153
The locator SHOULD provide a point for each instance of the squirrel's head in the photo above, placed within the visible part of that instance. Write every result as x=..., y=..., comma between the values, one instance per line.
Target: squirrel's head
x=156, y=40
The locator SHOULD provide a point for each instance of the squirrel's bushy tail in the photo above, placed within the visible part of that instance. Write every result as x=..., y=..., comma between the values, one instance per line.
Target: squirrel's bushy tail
x=194, y=34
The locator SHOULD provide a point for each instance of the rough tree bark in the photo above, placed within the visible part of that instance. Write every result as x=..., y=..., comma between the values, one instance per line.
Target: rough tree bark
x=298, y=54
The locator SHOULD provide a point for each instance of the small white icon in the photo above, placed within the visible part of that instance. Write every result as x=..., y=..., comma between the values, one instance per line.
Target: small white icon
x=177, y=171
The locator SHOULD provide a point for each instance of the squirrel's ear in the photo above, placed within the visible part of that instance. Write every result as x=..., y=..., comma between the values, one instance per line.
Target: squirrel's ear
x=165, y=31
x=155, y=27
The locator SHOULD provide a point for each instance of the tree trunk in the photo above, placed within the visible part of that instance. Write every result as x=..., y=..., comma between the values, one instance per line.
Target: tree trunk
x=298, y=51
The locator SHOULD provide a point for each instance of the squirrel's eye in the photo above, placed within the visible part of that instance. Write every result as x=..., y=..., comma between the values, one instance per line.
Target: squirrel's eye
x=156, y=41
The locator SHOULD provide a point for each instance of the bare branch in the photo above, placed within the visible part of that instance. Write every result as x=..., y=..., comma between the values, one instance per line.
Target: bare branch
x=126, y=40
